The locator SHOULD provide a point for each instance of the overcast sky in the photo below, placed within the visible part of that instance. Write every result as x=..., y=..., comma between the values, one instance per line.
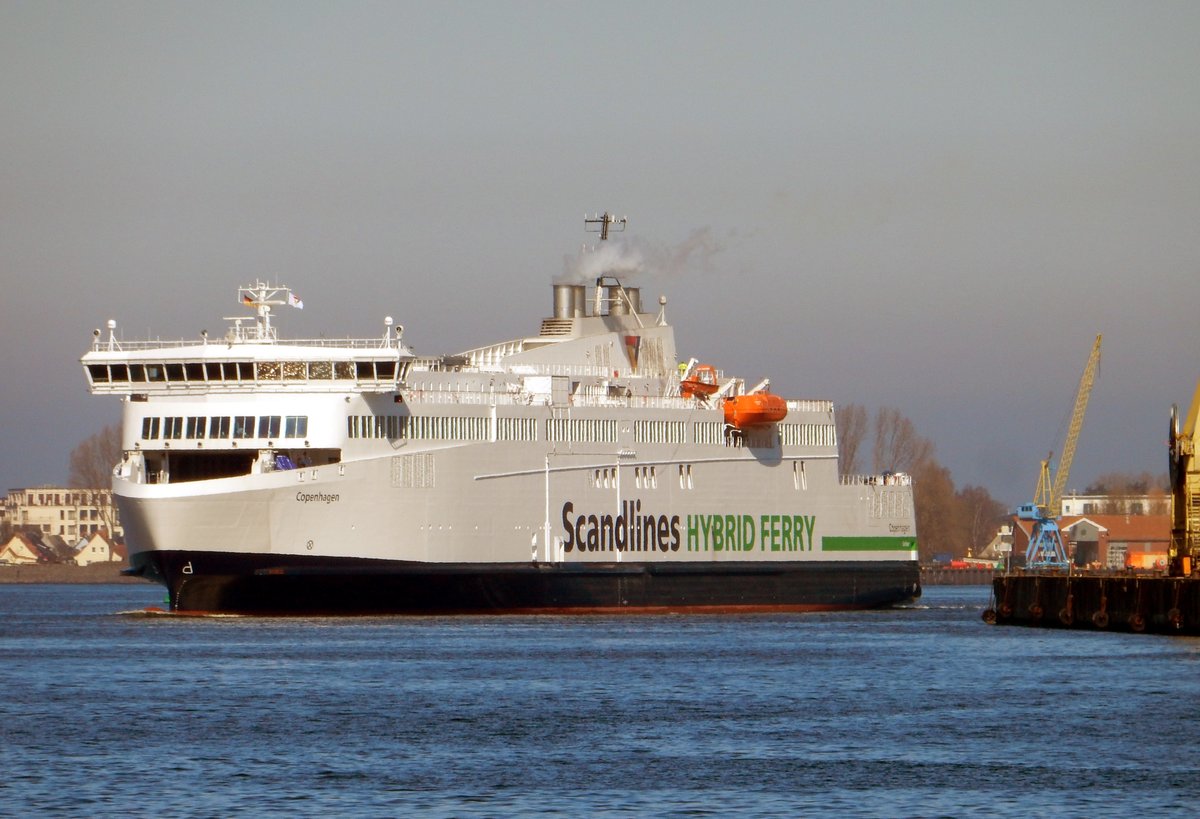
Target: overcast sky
x=928, y=206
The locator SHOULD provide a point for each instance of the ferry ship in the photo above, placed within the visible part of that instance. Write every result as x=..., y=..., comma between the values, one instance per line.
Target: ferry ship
x=582, y=469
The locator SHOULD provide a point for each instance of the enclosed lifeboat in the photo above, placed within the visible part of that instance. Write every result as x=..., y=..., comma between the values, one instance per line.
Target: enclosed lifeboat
x=701, y=382
x=755, y=409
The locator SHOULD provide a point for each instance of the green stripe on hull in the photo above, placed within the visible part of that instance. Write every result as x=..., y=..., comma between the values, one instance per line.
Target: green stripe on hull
x=868, y=544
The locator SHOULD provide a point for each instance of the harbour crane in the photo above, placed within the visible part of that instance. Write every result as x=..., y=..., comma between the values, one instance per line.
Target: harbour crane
x=1185, y=493
x=1046, y=550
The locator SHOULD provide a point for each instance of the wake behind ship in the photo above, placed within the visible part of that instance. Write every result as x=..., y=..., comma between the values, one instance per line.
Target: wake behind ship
x=583, y=469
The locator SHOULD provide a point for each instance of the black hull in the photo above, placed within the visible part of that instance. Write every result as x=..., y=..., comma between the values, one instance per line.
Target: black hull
x=263, y=584
x=1097, y=602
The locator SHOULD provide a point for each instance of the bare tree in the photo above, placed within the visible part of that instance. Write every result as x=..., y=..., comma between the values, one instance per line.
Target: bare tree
x=898, y=447
x=1159, y=502
x=980, y=515
x=1111, y=483
x=92, y=465
x=935, y=509
x=1122, y=488
x=851, y=421
x=948, y=521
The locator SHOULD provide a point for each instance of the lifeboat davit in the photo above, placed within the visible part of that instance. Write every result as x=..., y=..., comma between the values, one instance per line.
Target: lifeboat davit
x=700, y=382
x=755, y=409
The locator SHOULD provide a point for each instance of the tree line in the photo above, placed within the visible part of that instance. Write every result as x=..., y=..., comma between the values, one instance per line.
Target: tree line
x=91, y=469
x=1120, y=488
x=949, y=520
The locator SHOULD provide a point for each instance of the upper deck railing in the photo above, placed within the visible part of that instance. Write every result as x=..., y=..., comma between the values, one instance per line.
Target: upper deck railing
x=115, y=345
x=885, y=479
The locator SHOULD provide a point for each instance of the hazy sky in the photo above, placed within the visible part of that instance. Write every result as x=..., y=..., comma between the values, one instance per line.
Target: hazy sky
x=927, y=206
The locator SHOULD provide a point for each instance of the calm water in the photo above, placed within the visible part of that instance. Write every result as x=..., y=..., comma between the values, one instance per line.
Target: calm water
x=922, y=711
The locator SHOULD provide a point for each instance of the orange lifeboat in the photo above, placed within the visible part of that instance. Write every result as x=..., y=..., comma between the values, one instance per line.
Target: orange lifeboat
x=700, y=383
x=753, y=410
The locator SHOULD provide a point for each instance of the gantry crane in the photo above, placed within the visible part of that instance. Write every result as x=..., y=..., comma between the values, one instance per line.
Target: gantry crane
x=1046, y=550
x=1185, y=493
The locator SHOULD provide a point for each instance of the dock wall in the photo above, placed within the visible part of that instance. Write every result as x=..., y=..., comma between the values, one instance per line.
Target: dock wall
x=1097, y=602
x=943, y=576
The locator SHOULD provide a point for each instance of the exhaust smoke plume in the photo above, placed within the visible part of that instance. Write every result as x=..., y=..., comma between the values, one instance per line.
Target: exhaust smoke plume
x=627, y=258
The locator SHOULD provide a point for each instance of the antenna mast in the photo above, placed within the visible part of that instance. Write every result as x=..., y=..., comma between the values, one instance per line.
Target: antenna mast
x=260, y=297
x=603, y=221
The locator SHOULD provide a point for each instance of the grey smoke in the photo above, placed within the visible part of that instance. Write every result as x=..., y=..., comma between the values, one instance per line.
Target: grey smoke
x=628, y=258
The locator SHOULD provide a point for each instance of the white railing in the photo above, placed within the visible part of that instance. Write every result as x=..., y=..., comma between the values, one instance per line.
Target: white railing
x=104, y=345
x=810, y=406
x=540, y=399
x=885, y=479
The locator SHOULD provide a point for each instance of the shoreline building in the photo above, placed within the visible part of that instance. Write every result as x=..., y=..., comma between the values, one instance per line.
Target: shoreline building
x=70, y=513
x=1154, y=503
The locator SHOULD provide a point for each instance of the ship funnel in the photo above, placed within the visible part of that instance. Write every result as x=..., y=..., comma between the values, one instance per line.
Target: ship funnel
x=618, y=305
x=570, y=300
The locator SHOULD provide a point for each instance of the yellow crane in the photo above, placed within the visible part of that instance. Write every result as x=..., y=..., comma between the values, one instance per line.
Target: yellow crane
x=1185, y=493
x=1046, y=548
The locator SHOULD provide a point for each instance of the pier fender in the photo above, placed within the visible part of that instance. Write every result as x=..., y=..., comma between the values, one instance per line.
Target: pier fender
x=1100, y=618
x=1175, y=618
x=1137, y=622
x=1066, y=615
x=989, y=616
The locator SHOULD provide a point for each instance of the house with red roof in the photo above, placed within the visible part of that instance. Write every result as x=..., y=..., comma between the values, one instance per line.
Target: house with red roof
x=25, y=549
x=99, y=548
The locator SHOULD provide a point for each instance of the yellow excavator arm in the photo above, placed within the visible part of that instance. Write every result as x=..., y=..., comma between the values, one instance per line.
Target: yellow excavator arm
x=1185, y=492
